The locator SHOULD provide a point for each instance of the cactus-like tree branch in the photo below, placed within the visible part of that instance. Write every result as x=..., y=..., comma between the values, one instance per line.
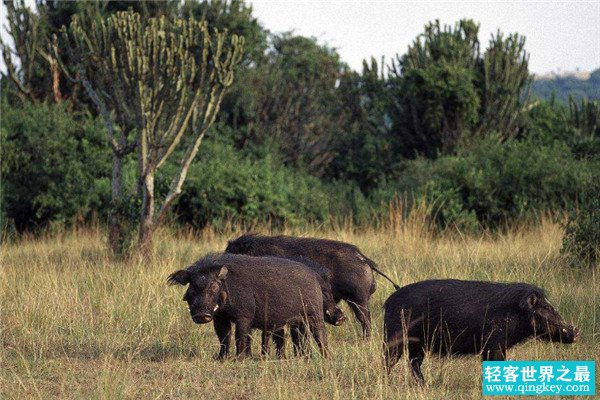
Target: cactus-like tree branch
x=162, y=79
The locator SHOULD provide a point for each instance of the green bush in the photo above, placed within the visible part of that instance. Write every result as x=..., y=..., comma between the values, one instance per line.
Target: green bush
x=491, y=183
x=502, y=182
x=581, y=242
x=224, y=185
x=55, y=167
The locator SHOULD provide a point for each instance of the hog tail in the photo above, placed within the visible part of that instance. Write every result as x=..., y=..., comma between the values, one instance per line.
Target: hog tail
x=373, y=266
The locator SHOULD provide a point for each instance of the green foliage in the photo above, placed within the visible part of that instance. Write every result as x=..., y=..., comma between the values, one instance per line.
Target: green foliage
x=299, y=136
x=547, y=122
x=34, y=74
x=289, y=102
x=491, y=183
x=502, y=182
x=55, y=167
x=364, y=150
x=223, y=185
x=577, y=125
x=442, y=103
x=581, y=242
x=505, y=78
x=584, y=118
x=435, y=87
x=236, y=17
x=447, y=94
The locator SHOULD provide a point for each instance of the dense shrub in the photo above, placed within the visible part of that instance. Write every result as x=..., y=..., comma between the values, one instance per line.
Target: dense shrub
x=224, y=185
x=576, y=125
x=55, y=167
x=491, y=183
x=502, y=182
x=582, y=234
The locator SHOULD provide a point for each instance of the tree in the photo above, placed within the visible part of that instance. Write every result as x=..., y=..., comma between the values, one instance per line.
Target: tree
x=236, y=17
x=503, y=85
x=434, y=84
x=584, y=121
x=289, y=103
x=447, y=93
x=28, y=34
x=158, y=85
x=32, y=71
x=363, y=152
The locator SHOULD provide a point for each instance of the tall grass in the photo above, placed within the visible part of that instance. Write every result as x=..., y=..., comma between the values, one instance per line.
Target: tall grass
x=77, y=324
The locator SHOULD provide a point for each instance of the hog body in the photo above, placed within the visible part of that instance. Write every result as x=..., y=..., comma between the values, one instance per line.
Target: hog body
x=331, y=312
x=467, y=317
x=352, y=277
x=263, y=293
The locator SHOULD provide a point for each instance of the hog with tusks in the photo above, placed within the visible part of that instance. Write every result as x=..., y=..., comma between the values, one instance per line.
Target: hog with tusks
x=352, y=277
x=264, y=293
x=455, y=317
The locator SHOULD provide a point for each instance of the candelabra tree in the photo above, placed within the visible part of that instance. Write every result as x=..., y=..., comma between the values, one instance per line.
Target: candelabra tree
x=27, y=61
x=504, y=87
x=158, y=85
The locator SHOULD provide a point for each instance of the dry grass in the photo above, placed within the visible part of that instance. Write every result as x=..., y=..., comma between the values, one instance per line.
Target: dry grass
x=76, y=324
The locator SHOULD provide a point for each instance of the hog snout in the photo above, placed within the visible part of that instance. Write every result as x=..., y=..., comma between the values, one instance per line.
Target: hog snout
x=335, y=317
x=340, y=320
x=569, y=334
x=202, y=317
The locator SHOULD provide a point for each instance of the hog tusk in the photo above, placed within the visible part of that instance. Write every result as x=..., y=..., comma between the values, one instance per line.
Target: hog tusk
x=216, y=307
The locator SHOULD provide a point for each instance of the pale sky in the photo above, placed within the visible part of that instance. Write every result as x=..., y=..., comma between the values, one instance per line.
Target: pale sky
x=560, y=35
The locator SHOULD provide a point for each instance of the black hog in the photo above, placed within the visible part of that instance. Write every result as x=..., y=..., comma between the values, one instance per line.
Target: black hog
x=331, y=312
x=253, y=293
x=352, y=277
x=467, y=317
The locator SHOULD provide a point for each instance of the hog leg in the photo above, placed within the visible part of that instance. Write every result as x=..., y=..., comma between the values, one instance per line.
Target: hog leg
x=495, y=353
x=494, y=348
x=242, y=338
x=317, y=328
x=264, y=347
x=223, y=330
x=279, y=339
x=416, y=355
x=392, y=354
x=298, y=333
x=360, y=307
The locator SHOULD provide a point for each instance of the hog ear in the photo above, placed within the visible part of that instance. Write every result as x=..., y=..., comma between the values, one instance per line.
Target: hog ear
x=222, y=273
x=530, y=301
x=181, y=277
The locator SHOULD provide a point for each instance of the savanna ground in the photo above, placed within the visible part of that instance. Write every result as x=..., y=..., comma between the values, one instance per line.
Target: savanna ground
x=76, y=324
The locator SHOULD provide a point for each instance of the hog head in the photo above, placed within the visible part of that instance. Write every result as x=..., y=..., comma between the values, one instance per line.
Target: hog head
x=206, y=292
x=546, y=322
x=333, y=314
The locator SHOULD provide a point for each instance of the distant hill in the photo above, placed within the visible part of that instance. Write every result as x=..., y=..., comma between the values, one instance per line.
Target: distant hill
x=576, y=84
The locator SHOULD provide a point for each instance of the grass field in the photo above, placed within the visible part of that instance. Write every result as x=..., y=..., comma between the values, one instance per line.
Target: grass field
x=75, y=324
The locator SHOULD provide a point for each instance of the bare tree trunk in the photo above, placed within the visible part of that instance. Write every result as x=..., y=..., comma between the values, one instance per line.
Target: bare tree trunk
x=116, y=229
x=147, y=223
x=55, y=81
